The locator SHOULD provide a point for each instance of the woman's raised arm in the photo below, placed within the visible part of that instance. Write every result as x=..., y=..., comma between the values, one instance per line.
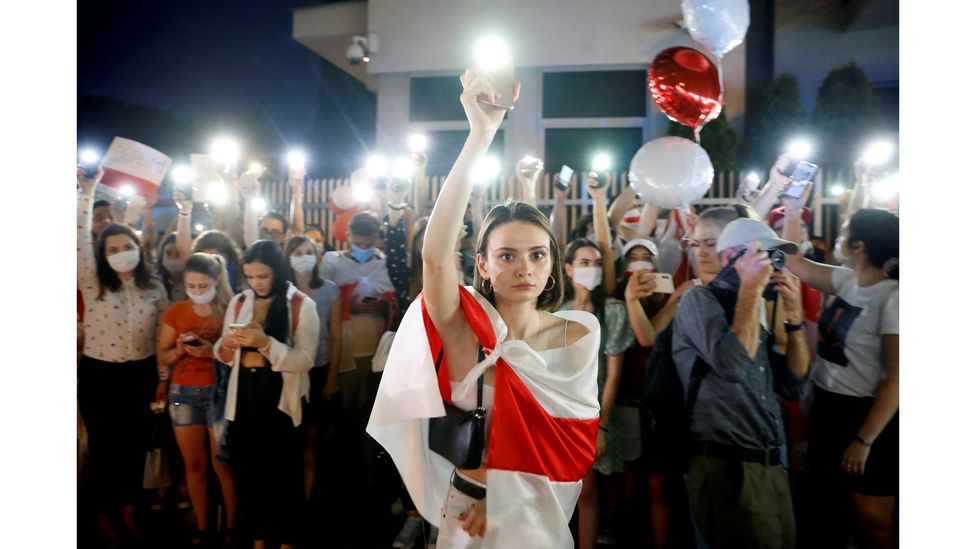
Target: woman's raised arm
x=440, y=278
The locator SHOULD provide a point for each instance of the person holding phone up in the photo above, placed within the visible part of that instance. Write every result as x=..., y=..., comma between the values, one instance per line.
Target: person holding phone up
x=185, y=342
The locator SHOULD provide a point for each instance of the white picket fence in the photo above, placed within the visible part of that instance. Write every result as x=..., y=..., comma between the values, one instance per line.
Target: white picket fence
x=318, y=191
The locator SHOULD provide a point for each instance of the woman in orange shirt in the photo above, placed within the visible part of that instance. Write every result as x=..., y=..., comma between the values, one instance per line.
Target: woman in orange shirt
x=186, y=340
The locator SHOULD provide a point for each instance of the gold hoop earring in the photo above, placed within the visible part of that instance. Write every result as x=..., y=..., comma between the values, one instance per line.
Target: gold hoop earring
x=550, y=287
x=483, y=289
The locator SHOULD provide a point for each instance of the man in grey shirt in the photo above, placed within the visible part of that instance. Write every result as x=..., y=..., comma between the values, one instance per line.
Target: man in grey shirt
x=738, y=488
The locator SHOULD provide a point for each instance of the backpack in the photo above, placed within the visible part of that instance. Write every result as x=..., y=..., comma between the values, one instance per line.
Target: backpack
x=665, y=412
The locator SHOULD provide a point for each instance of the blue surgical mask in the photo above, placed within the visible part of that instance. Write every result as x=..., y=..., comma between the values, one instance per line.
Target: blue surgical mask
x=360, y=254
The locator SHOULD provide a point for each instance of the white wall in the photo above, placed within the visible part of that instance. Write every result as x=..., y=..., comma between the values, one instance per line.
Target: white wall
x=428, y=37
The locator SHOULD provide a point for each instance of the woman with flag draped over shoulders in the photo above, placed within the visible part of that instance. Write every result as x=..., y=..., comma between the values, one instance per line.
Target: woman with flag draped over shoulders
x=539, y=386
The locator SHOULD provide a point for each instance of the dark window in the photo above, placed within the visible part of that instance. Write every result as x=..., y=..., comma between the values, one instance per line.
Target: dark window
x=445, y=146
x=576, y=147
x=435, y=99
x=598, y=94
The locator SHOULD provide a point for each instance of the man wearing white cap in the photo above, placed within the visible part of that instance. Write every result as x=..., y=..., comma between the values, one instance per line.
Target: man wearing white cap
x=722, y=348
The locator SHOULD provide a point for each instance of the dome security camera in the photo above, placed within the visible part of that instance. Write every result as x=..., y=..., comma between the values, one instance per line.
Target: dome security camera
x=356, y=53
x=361, y=48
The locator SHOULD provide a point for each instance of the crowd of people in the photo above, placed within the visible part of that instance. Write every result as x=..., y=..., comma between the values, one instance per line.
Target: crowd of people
x=272, y=354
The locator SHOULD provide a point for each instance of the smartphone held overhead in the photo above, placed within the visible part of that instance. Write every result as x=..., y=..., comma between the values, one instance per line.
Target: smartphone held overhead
x=801, y=177
x=492, y=56
x=563, y=179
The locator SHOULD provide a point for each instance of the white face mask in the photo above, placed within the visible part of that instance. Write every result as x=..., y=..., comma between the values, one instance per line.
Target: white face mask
x=124, y=262
x=635, y=266
x=588, y=277
x=302, y=263
x=174, y=266
x=205, y=297
x=839, y=254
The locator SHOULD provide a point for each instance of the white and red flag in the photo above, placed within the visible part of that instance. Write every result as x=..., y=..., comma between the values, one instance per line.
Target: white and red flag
x=542, y=437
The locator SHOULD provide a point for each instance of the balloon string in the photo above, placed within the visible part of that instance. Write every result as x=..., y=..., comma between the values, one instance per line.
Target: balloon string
x=697, y=133
x=721, y=82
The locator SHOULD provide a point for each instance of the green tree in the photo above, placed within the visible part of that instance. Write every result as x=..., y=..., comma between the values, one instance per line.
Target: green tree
x=846, y=115
x=780, y=114
x=718, y=138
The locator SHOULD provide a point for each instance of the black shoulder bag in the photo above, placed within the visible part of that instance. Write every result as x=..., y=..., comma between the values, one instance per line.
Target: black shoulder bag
x=459, y=436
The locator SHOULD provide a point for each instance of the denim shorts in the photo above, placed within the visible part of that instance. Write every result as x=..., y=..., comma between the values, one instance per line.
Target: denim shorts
x=189, y=405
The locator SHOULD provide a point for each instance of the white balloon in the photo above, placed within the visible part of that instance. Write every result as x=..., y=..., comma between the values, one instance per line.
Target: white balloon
x=718, y=25
x=671, y=172
x=343, y=198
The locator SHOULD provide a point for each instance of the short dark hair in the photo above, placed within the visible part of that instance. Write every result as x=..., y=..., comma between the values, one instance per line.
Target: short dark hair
x=101, y=203
x=107, y=277
x=275, y=215
x=364, y=224
x=878, y=231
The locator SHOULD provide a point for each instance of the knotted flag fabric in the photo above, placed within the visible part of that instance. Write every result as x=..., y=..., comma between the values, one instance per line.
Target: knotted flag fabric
x=542, y=437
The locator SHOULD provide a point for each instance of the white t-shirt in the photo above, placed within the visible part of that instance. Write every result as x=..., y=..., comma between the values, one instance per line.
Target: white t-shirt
x=849, y=360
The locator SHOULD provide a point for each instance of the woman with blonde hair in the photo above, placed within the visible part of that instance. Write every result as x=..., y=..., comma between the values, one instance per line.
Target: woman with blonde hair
x=185, y=343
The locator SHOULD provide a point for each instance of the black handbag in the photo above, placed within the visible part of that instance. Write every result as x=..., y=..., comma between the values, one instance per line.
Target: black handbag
x=459, y=436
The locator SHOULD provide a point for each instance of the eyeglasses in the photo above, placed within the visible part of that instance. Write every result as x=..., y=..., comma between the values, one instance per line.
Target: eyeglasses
x=708, y=243
x=272, y=233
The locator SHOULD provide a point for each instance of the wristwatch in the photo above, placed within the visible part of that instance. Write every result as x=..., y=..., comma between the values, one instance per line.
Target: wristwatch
x=794, y=327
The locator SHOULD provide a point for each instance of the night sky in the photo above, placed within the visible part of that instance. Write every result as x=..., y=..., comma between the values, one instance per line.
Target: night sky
x=215, y=63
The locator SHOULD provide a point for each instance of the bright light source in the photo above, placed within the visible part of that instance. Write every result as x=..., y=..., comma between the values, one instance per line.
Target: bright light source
x=837, y=190
x=127, y=191
x=878, y=153
x=198, y=227
x=182, y=175
x=487, y=169
x=256, y=168
x=402, y=168
x=491, y=53
x=259, y=204
x=753, y=178
x=217, y=194
x=365, y=59
x=225, y=151
x=417, y=142
x=362, y=193
x=886, y=188
x=799, y=149
x=138, y=233
x=376, y=165
x=296, y=161
x=88, y=156
x=601, y=162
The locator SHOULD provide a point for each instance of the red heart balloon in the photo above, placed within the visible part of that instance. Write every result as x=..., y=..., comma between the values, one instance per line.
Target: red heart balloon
x=685, y=85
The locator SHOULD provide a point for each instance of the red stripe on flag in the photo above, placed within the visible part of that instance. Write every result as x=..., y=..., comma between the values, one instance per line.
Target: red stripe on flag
x=525, y=438
x=117, y=179
x=478, y=321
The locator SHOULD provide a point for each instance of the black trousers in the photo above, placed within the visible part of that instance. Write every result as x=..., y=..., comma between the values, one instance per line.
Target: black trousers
x=267, y=460
x=114, y=400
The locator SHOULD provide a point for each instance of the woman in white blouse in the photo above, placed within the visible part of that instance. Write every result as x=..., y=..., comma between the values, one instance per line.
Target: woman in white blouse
x=117, y=376
x=270, y=336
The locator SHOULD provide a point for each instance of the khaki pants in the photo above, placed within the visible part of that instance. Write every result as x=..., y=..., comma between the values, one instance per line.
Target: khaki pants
x=739, y=504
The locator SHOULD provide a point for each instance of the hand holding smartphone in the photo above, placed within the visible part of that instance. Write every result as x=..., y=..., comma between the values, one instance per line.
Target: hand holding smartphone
x=565, y=176
x=665, y=283
x=801, y=177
